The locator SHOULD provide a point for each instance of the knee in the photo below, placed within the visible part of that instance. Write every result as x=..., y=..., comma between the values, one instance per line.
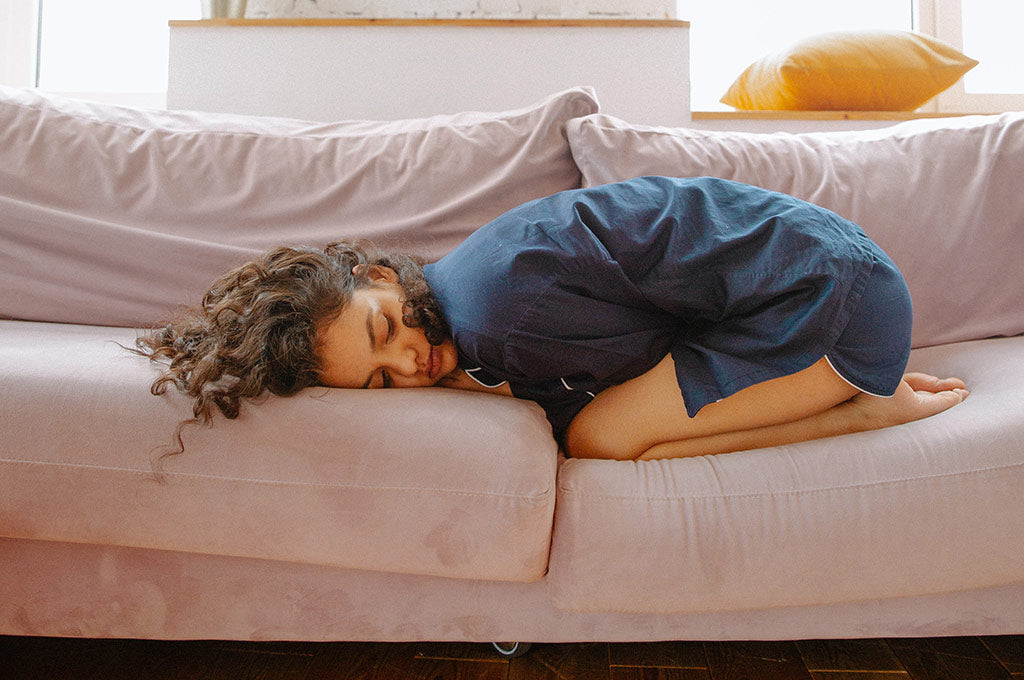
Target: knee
x=590, y=438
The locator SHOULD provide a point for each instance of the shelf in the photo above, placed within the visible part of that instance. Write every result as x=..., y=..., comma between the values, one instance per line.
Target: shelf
x=823, y=115
x=487, y=23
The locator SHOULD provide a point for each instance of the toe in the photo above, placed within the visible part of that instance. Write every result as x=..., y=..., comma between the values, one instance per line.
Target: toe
x=930, y=383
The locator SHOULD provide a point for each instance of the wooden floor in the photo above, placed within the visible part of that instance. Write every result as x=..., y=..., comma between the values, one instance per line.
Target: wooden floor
x=965, y=658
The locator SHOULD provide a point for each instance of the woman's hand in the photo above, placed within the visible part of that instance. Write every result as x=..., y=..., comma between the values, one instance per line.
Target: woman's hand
x=458, y=380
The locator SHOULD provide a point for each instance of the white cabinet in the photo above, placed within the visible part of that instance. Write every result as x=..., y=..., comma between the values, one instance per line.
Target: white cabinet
x=390, y=69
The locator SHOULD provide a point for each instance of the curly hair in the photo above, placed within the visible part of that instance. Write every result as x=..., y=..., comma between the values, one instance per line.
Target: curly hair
x=257, y=327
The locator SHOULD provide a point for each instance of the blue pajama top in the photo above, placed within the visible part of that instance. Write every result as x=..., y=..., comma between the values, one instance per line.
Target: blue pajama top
x=567, y=295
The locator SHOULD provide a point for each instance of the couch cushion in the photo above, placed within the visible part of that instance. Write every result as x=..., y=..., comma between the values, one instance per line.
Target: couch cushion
x=929, y=507
x=943, y=197
x=115, y=216
x=431, y=481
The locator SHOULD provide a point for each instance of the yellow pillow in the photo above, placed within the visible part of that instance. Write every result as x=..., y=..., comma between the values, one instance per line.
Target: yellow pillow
x=851, y=71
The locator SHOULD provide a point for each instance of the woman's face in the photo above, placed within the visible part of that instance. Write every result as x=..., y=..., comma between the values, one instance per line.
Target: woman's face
x=368, y=346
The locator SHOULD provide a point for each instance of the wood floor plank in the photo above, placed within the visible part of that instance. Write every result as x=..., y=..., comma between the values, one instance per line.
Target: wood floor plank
x=362, y=661
x=948, y=659
x=28, y=658
x=963, y=658
x=470, y=651
x=454, y=669
x=252, y=663
x=652, y=673
x=1008, y=649
x=859, y=675
x=848, y=655
x=567, y=661
x=755, y=661
x=967, y=647
x=683, y=654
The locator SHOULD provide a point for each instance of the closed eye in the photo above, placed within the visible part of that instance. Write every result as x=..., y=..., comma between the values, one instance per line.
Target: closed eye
x=385, y=377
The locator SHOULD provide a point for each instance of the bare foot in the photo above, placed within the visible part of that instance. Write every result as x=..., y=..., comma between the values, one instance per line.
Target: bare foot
x=919, y=395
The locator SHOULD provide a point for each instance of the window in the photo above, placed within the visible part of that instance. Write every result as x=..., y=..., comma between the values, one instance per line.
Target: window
x=116, y=50
x=113, y=50
x=984, y=30
x=728, y=35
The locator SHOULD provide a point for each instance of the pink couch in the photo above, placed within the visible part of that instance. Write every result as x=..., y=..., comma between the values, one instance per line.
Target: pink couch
x=442, y=515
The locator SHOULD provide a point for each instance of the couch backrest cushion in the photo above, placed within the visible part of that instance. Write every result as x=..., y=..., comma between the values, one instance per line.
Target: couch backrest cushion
x=115, y=216
x=944, y=197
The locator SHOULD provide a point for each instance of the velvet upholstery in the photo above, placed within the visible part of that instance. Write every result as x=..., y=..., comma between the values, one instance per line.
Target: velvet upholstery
x=87, y=590
x=434, y=514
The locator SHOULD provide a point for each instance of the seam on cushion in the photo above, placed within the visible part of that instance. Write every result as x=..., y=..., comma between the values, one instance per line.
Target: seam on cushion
x=832, y=138
x=496, y=116
x=536, y=498
x=574, y=595
x=794, y=492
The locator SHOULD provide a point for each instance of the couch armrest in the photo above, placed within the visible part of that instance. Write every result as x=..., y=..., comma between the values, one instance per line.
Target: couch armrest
x=430, y=481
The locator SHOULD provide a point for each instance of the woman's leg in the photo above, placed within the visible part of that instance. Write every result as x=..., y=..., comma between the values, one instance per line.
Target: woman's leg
x=918, y=396
x=645, y=417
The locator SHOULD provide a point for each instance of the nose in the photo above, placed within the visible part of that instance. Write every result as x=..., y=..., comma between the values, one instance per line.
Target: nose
x=407, y=363
x=404, y=364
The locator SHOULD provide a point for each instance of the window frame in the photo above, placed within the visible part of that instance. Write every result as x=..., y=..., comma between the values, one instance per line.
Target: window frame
x=20, y=55
x=19, y=36
x=943, y=19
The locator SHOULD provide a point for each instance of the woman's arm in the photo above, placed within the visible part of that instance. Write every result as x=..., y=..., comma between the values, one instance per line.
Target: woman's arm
x=919, y=396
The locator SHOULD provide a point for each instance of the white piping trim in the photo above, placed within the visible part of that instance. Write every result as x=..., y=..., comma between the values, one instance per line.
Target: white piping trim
x=573, y=389
x=469, y=372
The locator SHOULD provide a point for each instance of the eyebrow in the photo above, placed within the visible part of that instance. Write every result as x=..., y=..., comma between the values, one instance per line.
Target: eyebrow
x=373, y=342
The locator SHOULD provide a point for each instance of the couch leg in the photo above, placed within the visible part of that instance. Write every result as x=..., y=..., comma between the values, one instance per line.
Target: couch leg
x=512, y=650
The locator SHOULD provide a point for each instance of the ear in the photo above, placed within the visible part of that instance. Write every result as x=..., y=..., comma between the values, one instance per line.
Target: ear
x=377, y=273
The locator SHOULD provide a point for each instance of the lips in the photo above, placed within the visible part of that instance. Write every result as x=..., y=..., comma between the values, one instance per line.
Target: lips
x=433, y=363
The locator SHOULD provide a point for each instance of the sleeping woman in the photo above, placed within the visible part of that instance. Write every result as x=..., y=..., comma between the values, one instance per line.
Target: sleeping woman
x=652, y=318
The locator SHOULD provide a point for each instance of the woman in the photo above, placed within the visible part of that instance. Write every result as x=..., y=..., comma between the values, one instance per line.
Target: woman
x=651, y=318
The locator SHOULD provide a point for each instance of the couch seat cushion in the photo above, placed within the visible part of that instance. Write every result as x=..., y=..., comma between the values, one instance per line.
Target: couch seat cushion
x=430, y=481
x=929, y=507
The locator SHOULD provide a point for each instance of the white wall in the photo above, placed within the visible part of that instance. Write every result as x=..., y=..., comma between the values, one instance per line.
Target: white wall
x=476, y=9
